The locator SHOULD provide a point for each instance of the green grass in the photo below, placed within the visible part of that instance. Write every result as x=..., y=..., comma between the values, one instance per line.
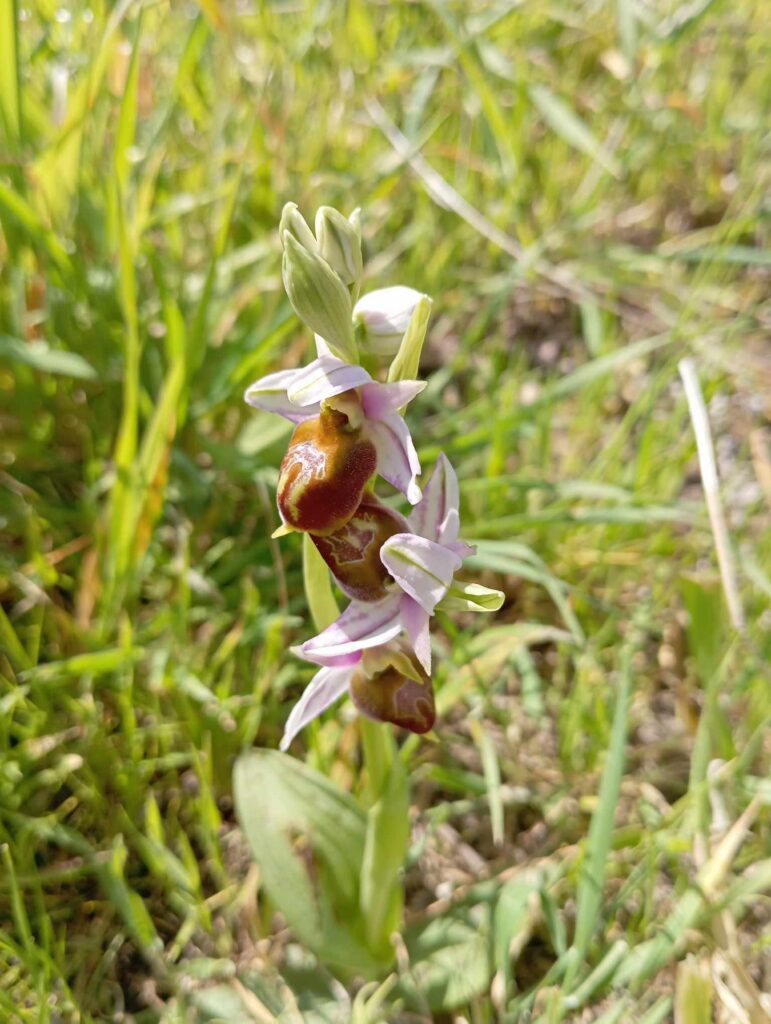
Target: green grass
x=572, y=845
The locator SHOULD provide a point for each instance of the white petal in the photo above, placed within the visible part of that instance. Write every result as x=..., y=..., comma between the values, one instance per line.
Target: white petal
x=360, y=626
x=323, y=378
x=270, y=394
x=324, y=689
x=415, y=620
x=422, y=568
x=436, y=517
x=387, y=311
x=397, y=460
x=380, y=400
x=322, y=349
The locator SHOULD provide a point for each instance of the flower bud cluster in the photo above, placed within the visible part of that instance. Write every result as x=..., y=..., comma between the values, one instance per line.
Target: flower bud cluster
x=349, y=431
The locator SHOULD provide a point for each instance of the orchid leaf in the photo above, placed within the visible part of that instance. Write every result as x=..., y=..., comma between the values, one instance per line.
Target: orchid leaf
x=388, y=833
x=450, y=959
x=313, y=882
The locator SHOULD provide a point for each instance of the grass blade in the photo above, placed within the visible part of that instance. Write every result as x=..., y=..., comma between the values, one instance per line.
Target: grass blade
x=567, y=124
x=10, y=79
x=592, y=878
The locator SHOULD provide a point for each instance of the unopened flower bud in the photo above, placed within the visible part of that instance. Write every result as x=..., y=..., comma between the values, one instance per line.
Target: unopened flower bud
x=324, y=473
x=294, y=222
x=385, y=316
x=318, y=296
x=339, y=242
x=353, y=552
x=396, y=691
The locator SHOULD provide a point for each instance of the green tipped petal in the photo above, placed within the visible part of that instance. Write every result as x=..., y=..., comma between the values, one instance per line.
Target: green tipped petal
x=471, y=597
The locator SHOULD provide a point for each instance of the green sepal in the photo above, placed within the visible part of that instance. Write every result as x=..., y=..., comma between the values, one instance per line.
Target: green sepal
x=339, y=243
x=319, y=297
x=471, y=597
x=406, y=362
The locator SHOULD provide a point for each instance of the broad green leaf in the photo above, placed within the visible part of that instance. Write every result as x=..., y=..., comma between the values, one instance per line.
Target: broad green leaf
x=517, y=911
x=308, y=840
x=388, y=833
x=449, y=959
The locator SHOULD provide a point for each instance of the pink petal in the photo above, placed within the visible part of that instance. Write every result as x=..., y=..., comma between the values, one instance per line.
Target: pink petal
x=415, y=620
x=462, y=549
x=329, y=660
x=361, y=625
x=422, y=568
x=436, y=517
x=381, y=399
x=397, y=460
x=323, y=378
x=270, y=394
x=324, y=689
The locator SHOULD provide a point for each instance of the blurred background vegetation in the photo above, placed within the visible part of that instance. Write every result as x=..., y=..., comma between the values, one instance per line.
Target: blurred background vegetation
x=583, y=189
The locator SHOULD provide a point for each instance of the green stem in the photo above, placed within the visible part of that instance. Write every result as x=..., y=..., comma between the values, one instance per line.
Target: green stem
x=379, y=751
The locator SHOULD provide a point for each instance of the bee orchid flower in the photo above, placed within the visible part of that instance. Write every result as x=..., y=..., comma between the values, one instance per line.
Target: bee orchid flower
x=421, y=565
x=348, y=428
x=385, y=684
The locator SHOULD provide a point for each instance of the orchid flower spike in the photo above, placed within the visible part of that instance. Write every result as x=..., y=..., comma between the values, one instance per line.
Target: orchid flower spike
x=348, y=428
x=421, y=562
x=385, y=683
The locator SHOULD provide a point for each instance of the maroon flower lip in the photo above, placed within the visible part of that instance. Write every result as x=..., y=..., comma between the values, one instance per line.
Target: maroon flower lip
x=353, y=552
x=388, y=696
x=324, y=473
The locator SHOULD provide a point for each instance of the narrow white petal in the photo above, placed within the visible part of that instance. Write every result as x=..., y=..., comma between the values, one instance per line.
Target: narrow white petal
x=323, y=378
x=422, y=568
x=322, y=349
x=324, y=689
x=436, y=517
x=360, y=626
x=270, y=394
x=415, y=620
x=380, y=400
x=397, y=460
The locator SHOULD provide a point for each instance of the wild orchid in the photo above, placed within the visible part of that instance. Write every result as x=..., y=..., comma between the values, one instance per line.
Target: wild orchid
x=420, y=563
x=385, y=683
x=349, y=430
x=348, y=427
